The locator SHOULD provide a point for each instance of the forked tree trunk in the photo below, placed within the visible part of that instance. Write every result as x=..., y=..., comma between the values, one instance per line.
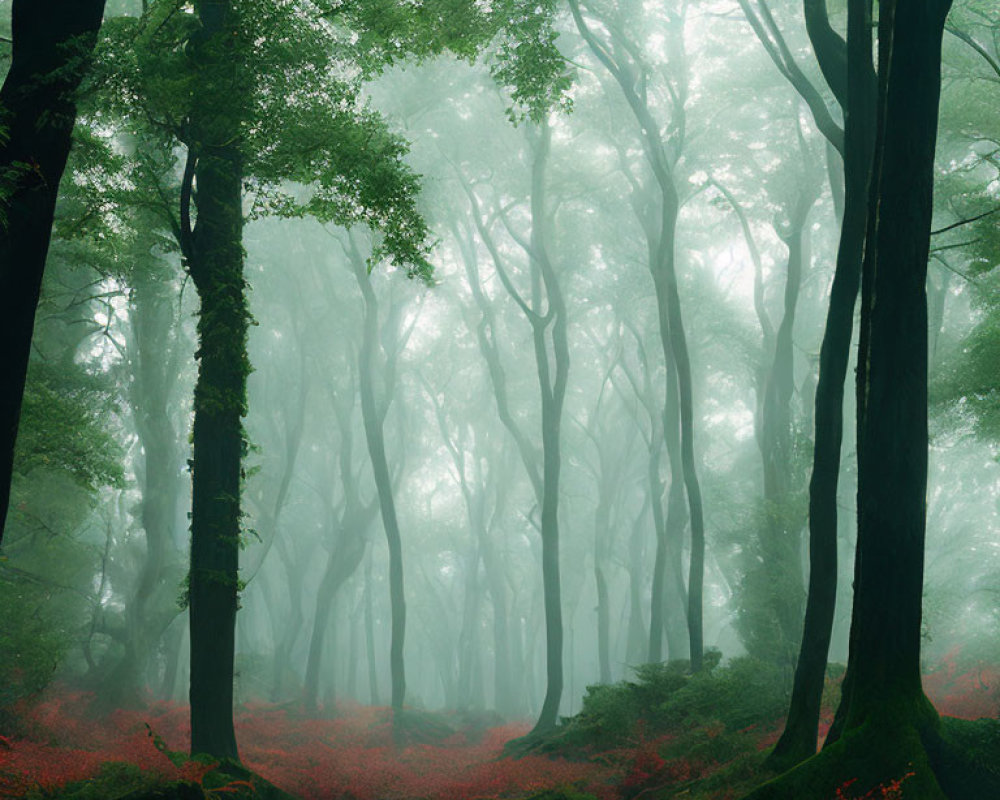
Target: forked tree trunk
x=886, y=724
x=798, y=741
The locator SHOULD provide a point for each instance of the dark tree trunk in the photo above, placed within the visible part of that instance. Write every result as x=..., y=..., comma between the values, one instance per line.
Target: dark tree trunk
x=215, y=260
x=798, y=741
x=52, y=43
x=892, y=374
x=887, y=723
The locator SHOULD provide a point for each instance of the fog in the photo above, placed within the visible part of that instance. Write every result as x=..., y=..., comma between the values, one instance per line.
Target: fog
x=572, y=434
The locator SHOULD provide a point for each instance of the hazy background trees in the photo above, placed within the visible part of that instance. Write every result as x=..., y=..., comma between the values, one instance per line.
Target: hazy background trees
x=544, y=236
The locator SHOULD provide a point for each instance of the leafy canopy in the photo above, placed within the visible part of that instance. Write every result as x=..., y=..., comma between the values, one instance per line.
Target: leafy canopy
x=312, y=145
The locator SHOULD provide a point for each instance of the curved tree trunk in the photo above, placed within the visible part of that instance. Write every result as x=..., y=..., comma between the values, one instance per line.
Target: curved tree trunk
x=374, y=421
x=52, y=42
x=798, y=741
x=553, y=391
x=662, y=153
x=887, y=724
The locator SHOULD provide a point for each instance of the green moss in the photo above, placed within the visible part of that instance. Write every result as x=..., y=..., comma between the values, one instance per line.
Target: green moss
x=116, y=779
x=966, y=758
x=561, y=793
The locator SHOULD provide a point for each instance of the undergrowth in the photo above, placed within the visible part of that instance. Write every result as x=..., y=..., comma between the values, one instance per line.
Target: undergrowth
x=663, y=734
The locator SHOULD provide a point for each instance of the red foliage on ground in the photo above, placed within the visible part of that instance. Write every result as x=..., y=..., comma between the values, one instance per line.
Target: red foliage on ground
x=349, y=756
x=961, y=689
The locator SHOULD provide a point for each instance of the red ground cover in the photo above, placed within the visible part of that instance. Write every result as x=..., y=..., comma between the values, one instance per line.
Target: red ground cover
x=968, y=691
x=350, y=756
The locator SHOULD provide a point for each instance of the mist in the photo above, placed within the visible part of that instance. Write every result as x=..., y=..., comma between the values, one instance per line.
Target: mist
x=541, y=400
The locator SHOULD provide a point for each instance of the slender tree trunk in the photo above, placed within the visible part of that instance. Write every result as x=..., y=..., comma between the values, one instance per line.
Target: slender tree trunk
x=152, y=362
x=887, y=724
x=502, y=684
x=52, y=43
x=779, y=575
x=553, y=393
x=345, y=557
x=216, y=267
x=674, y=342
x=468, y=640
x=798, y=741
x=375, y=439
x=662, y=266
x=373, y=692
x=637, y=645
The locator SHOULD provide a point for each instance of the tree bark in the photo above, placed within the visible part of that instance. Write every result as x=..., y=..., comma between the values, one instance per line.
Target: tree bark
x=52, y=43
x=375, y=439
x=215, y=261
x=798, y=741
x=887, y=724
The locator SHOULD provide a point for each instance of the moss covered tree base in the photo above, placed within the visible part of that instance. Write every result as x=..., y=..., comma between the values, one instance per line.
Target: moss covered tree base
x=952, y=760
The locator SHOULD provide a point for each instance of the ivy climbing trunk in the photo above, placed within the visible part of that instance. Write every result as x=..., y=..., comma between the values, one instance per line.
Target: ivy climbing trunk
x=215, y=260
x=52, y=43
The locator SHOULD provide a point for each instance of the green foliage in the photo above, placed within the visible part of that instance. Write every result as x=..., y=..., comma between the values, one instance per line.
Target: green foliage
x=115, y=779
x=707, y=709
x=311, y=144
x=968, y=385
x=64, y=427
x=524, y=55
x=767, y=540
x=563, y=793
x=744, y=692
x=35, y=636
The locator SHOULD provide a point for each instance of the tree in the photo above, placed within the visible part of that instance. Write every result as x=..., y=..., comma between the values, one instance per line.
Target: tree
x=245, y=109
x=624, y=61
x=545, y=311
x=373, y=413
x=846, y=65
x=886, y=728
x=52, y=43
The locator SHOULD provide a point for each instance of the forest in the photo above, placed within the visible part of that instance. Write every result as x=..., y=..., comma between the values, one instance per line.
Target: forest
x=284, y=515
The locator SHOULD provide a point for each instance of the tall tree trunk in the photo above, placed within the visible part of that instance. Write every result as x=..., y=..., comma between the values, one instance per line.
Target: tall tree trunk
x=548, y=333
x=345, y=556
x=553, y=393
x=52, y=43
x=153, y=360
x=374, y=697
x=886, y=722
x=375, y=438
x=662, y=153
x=215, y=259
x=798, y=741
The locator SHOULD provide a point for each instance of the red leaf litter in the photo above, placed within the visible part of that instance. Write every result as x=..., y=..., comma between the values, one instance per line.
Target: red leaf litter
x=349, y=756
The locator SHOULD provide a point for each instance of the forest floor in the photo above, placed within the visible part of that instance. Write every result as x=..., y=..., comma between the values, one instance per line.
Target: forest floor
x=663, y=735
